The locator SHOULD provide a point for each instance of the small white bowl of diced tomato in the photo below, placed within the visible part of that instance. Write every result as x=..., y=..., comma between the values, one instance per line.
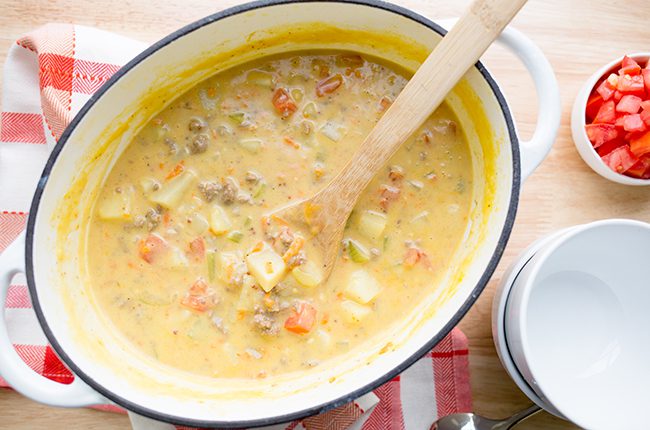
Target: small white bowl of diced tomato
x=611, y=120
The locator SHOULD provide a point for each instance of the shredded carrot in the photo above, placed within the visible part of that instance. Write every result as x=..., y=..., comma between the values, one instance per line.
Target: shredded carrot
x=241, y=315
x=258, y=247
x=280, y=220
x=266, y=223
x=295, y=247
x=177, y=170
x=325, y=319
x=167, y=218
x=289, y=141
x=268, y=301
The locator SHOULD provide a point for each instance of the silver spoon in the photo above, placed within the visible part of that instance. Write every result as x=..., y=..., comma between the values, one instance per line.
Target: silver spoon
x=475, y=422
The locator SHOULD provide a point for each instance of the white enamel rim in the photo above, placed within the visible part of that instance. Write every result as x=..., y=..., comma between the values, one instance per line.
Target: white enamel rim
x=79, y=394
x=499, y=318
x=578, y=122
x=516, y=323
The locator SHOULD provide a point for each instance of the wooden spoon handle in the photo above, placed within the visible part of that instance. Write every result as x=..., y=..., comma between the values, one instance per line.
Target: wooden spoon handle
x=443, y=68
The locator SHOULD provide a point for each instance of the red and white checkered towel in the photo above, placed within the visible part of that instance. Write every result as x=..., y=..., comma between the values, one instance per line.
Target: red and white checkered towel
x=49, y=74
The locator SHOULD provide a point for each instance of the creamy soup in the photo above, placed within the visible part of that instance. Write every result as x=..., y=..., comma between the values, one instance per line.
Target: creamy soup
x=187, y=264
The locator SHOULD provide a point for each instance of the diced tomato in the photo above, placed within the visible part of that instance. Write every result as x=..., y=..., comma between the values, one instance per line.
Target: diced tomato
x=283, y=102
x=329, y=85
x=645, y=74
x=629, y=67
x=641, y=145
x=620, y=159
x=593, y=105
x=197, y=248
x=631, y=85
x=151, y=247
x=302, y=319
x=606, y=113
x=619, y=121
x=607, y=87
x=641, y=169
x=629, y=104
x=627, y=61
x=633, y=123
x=645, y=116
x=601, y=133
x=645, y=105
x=608, y=147
x=618, y=96
x=199, y=297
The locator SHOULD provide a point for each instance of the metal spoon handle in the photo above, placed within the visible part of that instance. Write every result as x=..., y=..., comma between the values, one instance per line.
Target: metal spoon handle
x=517, y=418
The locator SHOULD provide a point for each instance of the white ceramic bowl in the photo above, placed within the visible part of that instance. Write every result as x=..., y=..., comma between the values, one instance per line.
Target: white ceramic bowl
x=499, y=323
x=576, y=323
x=580, y=139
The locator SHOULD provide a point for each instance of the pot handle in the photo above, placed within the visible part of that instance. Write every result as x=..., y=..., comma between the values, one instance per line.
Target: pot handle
x=14, y=370
x=549, y=105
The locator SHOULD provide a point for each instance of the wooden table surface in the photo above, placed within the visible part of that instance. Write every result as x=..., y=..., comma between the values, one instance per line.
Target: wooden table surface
x=577, y=36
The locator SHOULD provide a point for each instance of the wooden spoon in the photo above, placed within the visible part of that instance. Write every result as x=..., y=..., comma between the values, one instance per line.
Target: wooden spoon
x=327, y=211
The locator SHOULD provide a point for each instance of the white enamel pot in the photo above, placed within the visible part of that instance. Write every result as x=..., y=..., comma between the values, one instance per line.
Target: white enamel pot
x=109, y=370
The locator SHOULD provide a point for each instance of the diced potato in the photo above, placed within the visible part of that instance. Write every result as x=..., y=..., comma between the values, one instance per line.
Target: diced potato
x=308, y=274
x=197, y=223
x=117, y=206
x=354, y=312
x=177, y=259
x=219, y=221
x=332, y=131
x=227, y=263
x=170, y=194
x=362, y=287
x=372, y=224
x=267, y=266
x=249, y=295
x=148, y=185
x=251, y=145
x=324, y=338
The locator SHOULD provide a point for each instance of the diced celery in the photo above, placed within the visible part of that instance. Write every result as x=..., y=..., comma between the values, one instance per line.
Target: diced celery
x=297, y=94
x=261, y=78
x=308, y=274
x=210, y=259
x=354, y=312
x=310, y=110
x=267, y=266
x=251, y=145
x=357, y=252
x=237, y=117
x=148, y=298
x=219, y=221
x=372, y=224
x=362, y=287
x=235, y=236
x=117, y=205
x=170, y=194
x=259, y=190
